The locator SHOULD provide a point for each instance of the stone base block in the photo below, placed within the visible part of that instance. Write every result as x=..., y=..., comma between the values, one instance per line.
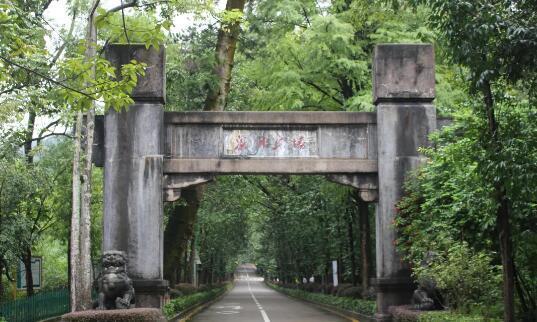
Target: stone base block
x=393, y=291
x=131, y=315
x=150, y=293
x=404, y=313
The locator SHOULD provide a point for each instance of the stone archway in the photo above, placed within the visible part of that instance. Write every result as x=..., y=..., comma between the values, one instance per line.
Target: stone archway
x=149, y=156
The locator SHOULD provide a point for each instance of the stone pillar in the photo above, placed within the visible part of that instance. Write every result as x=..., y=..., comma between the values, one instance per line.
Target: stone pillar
x=133, y=200
x=403, y=92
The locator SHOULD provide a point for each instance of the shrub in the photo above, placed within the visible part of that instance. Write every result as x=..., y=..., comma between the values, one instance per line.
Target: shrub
x=175, y=293
x=406, y=314
x=465, y=278
x=186, y=288
x=444, y=316
x=312, y=287
x=341, y=288
x=328, y=288
x=290, y=285
x=369, y=294
x=353, y=291
x=205, y=287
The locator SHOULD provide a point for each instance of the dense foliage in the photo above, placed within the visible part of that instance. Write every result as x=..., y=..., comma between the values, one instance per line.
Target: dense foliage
x=478, y=186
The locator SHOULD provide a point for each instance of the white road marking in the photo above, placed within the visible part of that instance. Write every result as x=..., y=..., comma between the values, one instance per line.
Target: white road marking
x=229, y=307
x=263, y=313
x=227, y=312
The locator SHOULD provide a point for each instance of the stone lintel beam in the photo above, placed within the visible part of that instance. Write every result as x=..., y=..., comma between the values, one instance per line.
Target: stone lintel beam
x=272, y=118
x=269, y=166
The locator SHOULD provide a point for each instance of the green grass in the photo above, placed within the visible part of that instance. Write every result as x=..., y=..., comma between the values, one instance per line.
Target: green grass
x=366, y=307
x=185, y=302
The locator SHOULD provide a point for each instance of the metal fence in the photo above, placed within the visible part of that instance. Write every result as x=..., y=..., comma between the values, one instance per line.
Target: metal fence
x=38, y=307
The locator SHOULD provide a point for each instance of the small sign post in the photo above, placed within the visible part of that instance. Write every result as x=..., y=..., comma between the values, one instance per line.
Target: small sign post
x=334, y=273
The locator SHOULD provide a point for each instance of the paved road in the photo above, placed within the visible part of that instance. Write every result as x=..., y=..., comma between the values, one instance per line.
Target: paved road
x=251, y=301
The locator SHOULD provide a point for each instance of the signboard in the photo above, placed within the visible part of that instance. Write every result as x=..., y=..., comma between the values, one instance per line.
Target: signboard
x=37, y=270
x=270, y=143
x=334, y=273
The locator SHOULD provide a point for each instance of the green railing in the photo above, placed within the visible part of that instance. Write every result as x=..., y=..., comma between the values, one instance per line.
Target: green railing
x=38, y=307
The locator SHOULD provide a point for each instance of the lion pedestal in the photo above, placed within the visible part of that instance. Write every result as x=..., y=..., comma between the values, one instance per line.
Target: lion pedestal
x=131, y=315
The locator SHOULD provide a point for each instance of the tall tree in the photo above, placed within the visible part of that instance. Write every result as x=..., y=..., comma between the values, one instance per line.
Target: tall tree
x=496, y=46
x=226, y=44
x=365, y=242
x=216, y=101
x=81, y=269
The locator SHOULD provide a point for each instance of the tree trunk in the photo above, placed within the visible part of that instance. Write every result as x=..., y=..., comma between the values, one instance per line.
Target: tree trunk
x=2, y=277
x=84, y=301
x=225, y=53
x=341, y=251
x=506, y=251
x=29, y=136
x=503, y=225
x=365, y=242
x=184, y=277
x=211, y=264
x=75, y=216
x=27, y=261
x=178, y=231
x=350, y=232
x=81, y=276
x=193, y=268
x=175, y=237
x=27, y=255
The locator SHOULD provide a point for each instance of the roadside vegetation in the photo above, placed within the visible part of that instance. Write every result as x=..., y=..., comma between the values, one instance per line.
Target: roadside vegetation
x=191, y=298
x=366, y=307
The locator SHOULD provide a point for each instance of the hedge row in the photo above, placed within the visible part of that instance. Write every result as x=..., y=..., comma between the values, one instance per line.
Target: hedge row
x=453, y=317
x=404, y=314
x=344, y=289
x=182, y=303
x=366, y=307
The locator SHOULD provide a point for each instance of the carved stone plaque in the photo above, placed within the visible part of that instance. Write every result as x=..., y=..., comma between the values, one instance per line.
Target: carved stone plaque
x=270, y=143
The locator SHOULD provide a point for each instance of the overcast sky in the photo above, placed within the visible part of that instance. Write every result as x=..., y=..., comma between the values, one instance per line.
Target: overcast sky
x=57, y=16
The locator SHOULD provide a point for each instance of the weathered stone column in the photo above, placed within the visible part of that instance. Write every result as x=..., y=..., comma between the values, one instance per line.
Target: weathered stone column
x=133, y=201
x=403, y=92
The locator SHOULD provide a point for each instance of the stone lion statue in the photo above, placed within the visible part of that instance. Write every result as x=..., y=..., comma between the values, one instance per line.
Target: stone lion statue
x=115, y=287
x=427, y=297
